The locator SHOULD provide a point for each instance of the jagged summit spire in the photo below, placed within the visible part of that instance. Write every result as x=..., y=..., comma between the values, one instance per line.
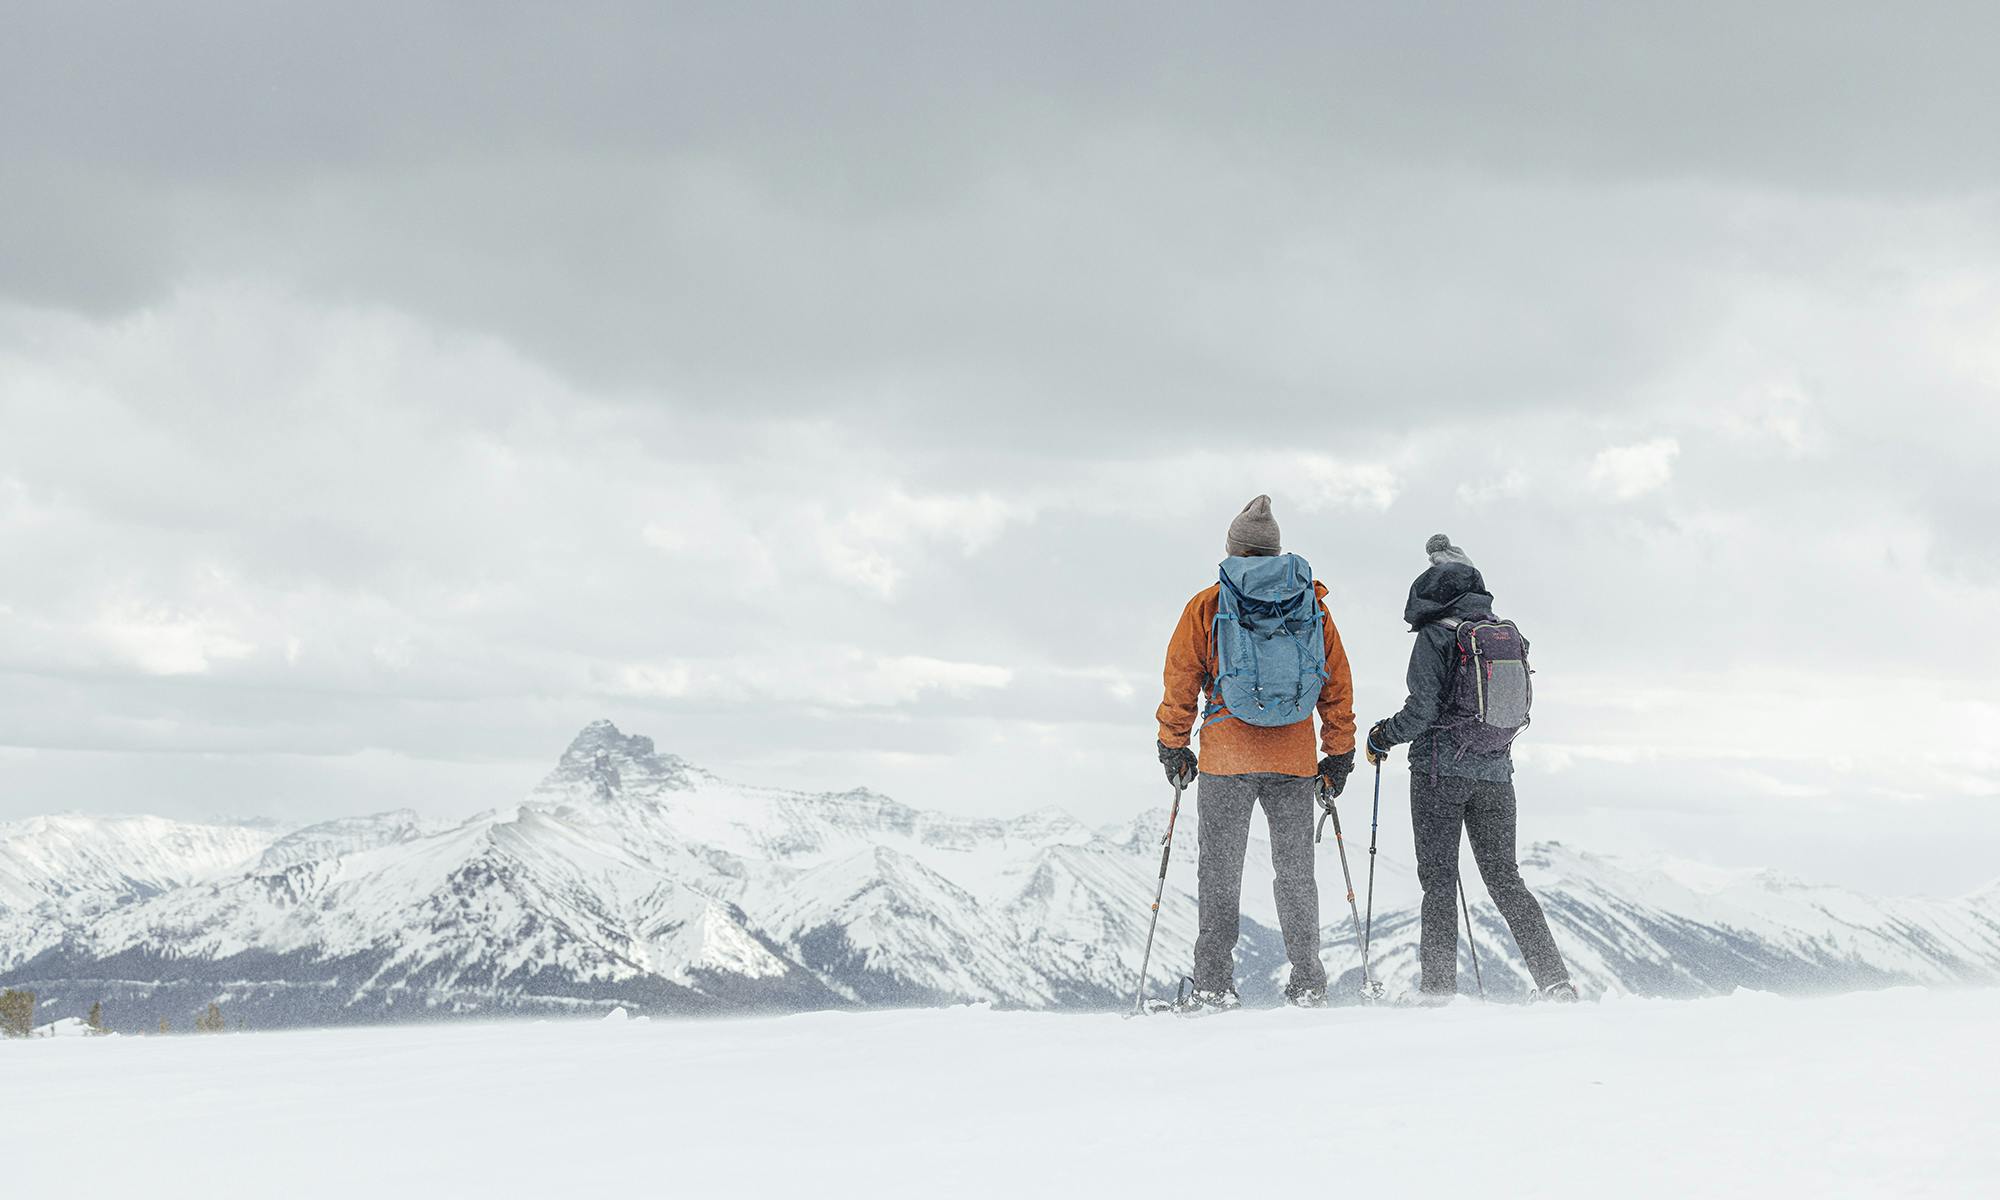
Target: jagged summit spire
x=601, y=734
x=603, y=762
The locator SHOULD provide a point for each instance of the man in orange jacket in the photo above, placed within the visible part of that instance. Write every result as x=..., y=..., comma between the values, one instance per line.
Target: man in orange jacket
x=1245, y=761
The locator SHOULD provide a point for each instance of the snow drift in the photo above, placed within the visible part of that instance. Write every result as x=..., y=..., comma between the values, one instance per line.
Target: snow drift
x=1870, y=1095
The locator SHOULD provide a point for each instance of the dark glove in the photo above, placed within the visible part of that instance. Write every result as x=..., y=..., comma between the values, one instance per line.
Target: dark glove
x=1180, y=764
x=1333, y=772
x=1378, y=744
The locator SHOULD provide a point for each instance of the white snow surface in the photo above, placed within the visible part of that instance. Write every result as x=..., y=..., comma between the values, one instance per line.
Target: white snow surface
x=1878, y=1094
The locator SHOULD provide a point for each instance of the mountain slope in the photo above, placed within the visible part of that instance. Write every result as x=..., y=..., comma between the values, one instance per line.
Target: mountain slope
x=49, y=858
x=1644, y=930
x=529, y=911
x=58, y=872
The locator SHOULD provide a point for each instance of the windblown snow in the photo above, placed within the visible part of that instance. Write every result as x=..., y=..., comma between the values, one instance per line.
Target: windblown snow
x=632, y=878
x=1866, y=1095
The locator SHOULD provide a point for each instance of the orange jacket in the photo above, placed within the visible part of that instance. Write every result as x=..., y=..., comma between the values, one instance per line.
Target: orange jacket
x=1237, y=747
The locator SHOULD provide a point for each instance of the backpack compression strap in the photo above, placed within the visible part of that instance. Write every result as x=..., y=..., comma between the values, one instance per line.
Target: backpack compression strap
x=1212, y=686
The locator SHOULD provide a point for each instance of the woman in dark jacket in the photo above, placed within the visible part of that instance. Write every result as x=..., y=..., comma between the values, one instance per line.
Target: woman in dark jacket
x=1459, y=780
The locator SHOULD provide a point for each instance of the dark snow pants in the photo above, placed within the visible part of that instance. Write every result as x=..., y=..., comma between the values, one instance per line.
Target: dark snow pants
x=1439, y=806
x=1224, y=803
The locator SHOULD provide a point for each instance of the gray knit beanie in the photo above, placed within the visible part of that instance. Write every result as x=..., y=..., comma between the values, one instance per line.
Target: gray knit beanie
x=1254, y=531
x=1442, y=551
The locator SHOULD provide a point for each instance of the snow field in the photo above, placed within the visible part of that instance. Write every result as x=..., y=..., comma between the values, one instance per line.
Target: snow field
x=1882, y=1094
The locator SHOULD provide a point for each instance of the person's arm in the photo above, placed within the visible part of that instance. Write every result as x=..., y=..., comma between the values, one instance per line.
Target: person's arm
x=1427, y=680
x=1186, y=670
x=1336, y=699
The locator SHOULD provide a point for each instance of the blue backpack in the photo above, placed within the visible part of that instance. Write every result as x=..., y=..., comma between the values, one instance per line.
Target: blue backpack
x=1270, y=649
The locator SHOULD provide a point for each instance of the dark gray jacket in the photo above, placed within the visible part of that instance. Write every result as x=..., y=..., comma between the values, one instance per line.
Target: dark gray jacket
x=1445, y=590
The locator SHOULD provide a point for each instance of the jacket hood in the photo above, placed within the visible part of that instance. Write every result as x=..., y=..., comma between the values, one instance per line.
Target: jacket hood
x=1449, y=589
x=1272, y=577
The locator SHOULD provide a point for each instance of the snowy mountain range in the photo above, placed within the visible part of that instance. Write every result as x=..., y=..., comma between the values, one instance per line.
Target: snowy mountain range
x=630, y=877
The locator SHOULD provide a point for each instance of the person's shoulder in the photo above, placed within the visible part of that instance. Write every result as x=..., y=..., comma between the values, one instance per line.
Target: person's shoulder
x=1319, y=595
x=1199, y=612
x=1437, y=633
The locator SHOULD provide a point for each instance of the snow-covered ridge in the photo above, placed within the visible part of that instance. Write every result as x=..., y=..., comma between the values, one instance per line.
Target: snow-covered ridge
x=44, y=858
x=629, y=876
x=345, y=835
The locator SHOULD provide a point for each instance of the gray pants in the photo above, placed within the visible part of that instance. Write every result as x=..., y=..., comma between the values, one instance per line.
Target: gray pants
x=1224, y=803
x=1439, y=807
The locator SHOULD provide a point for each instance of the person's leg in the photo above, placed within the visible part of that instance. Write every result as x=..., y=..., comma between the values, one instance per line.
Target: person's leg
x=1288, y=811
x=1223, y=804
x=1490, y=823
x=1437, y=809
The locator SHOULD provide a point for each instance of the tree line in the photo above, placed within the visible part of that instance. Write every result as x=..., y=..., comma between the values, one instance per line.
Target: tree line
x=17, y=1016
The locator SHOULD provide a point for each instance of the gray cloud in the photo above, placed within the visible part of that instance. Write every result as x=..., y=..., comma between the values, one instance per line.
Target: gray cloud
x=847, y=209
x=1834, y=94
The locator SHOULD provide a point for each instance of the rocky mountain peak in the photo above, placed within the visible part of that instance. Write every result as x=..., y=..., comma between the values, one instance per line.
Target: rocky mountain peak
x=602, y=762
x=603, y=737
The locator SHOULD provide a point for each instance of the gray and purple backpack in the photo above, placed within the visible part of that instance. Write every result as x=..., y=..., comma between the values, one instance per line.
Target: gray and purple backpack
x=1487, y=707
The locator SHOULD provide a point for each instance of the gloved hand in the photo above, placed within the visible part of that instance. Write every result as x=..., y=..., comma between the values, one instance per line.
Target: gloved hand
x=1333, y=772
x=1180, y=763
x=1378, y=744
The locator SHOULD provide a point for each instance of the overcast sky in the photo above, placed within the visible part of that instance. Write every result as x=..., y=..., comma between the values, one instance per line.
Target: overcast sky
x=853, y=395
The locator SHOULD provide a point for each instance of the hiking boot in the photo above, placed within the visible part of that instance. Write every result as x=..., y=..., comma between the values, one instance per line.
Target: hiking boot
x=1306, y=997
x=1202, y=1001
x=1561, y=993
x=1423, y=999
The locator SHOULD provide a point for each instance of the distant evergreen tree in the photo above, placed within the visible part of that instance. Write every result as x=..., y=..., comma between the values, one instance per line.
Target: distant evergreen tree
x=210, y=1021
x=17, y=1013
x=95, y=1021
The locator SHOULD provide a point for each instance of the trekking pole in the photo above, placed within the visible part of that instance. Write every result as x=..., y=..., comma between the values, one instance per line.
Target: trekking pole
x=1368, y=931
x=1340, y=843
x=1471, y=945
x=1166, y=849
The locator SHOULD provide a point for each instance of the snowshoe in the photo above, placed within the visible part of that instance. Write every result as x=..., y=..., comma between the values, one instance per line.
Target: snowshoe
x=1560, y=993
x=1306, y=997
x=1202, y=1002
x=1188, y=1001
